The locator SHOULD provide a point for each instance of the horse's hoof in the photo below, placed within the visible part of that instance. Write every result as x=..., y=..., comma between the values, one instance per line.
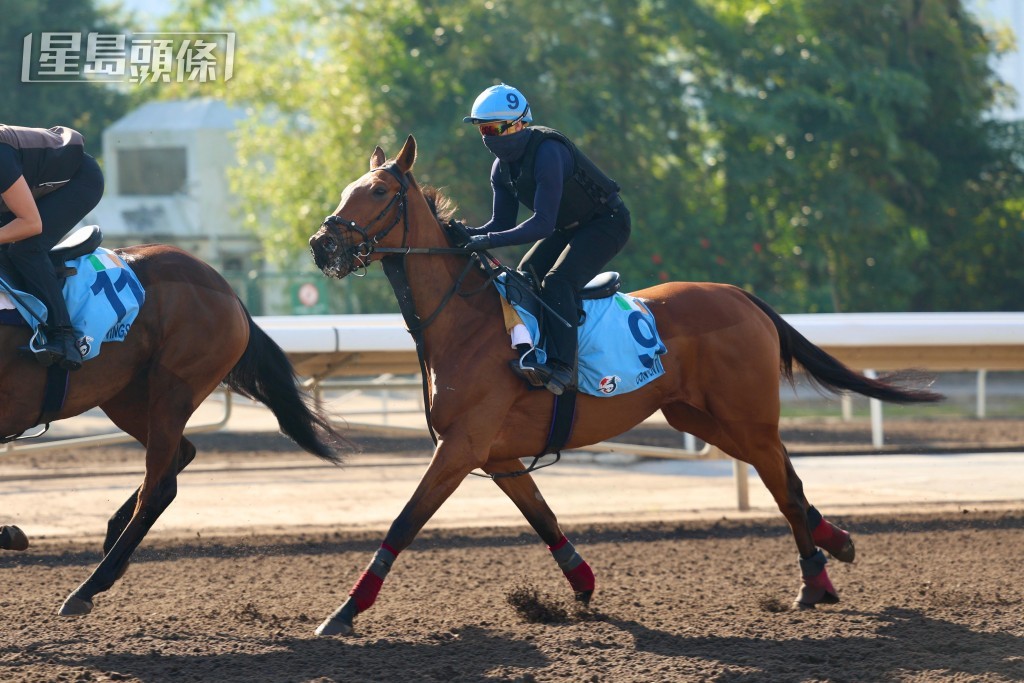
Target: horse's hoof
x=13, y=538
x=75, y=607
x=339, y=623
x=847, y=553
x=811, y=596
x=334, y=627
x=584, y=597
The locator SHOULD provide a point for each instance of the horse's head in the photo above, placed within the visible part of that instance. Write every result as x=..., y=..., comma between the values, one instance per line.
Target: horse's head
x=366, y=219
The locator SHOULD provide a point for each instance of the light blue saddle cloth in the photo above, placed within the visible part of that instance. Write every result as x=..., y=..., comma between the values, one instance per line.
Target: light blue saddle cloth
x=619, y=345
x=103, y=300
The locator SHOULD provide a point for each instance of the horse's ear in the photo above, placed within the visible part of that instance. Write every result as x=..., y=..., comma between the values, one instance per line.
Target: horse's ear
x=407, y=157
x=377, y=158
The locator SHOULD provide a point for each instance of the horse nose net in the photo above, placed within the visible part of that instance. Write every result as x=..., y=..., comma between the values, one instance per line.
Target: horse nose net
x=335, y=246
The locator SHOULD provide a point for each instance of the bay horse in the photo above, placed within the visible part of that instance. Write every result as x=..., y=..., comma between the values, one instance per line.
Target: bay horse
x=726, y=351
x=191, y=333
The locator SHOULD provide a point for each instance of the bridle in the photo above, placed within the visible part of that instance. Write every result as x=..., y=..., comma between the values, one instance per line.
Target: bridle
x=369, y=245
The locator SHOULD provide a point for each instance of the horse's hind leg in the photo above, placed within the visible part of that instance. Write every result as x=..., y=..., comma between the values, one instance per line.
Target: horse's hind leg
x=775, y=469
x=127, y=411
x=830, y=537
x=523, y=491
x=166, y=418
x=119, y=520
x=758, y=444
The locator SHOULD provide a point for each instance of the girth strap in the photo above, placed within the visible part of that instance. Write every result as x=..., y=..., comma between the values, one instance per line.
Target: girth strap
x=564, y=409
x=54, y=394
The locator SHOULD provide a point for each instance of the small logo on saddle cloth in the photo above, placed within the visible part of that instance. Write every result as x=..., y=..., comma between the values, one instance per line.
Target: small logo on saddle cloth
x=84, y=345
x=608, y=384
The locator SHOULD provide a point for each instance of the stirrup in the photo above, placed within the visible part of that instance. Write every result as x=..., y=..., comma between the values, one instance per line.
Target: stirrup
x=532, y=374
x=43, y=355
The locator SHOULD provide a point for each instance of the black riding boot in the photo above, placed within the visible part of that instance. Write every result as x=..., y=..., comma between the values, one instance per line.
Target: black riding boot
x=559, y=372
x=562, y=342
x=41, y=281
x=62, y=348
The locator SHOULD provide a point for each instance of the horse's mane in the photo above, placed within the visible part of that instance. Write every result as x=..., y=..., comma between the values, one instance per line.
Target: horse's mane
x=442, y=205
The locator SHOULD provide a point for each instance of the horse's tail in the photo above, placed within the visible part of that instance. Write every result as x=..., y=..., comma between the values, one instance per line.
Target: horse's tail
x=265, y=374
x=832, y=375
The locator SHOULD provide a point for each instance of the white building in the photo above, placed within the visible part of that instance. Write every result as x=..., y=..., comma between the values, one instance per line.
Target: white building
x=165, y=166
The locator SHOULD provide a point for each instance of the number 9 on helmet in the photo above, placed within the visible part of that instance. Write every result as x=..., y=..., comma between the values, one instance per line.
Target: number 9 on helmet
x=499, y=103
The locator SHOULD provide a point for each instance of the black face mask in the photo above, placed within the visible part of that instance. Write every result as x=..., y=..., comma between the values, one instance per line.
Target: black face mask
x=507, y=148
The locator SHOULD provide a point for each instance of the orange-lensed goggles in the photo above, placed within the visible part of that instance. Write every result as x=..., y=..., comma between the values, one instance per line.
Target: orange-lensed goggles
x=495, y=127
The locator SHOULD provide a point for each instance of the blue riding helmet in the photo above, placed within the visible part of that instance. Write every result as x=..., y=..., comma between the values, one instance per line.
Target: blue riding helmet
x=499, y=103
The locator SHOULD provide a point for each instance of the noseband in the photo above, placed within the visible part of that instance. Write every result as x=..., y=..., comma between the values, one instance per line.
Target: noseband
x=362, y=251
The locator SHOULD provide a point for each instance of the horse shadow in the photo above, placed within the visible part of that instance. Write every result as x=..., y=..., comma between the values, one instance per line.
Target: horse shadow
x=468, y=654
x=902, y=640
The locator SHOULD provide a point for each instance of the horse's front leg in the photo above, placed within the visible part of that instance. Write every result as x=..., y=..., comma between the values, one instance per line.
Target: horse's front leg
x=453, y=460
x=523, y=491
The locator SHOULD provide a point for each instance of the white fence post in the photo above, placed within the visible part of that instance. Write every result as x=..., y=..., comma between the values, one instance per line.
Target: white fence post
x=982, y=376
x=741, y=472
x=877, y=436
x=846, y=404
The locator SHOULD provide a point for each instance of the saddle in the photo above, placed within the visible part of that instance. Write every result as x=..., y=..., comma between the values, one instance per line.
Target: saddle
x=80, y=242
x=521, y=290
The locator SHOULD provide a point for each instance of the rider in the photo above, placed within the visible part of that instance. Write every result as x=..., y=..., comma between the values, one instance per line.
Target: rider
x=579, y=220
x=48, y=184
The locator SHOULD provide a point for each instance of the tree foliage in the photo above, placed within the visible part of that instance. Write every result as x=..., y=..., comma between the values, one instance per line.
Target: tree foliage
x=87, y=107
x=830, y=155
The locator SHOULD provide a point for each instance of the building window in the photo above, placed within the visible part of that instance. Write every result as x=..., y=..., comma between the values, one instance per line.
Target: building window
x=159, y=171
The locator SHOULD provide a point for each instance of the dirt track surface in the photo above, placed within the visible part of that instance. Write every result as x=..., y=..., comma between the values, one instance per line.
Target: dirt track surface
x=928, y=599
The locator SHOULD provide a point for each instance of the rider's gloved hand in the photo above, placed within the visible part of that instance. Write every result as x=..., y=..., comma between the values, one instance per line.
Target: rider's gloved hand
x=459, y=232
x=478, y=243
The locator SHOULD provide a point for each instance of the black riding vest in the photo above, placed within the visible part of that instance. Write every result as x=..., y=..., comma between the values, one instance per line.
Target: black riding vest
x=586, y=191
x=48, y=157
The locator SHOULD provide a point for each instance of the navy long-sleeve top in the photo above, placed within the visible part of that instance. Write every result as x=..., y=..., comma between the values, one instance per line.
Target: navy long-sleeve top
x=553, y=164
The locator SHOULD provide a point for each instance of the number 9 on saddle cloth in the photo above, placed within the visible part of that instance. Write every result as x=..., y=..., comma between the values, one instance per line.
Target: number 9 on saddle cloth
x=102, y=292
x=619, y=345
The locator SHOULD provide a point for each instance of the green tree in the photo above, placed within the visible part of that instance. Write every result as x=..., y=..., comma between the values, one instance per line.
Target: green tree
x=87, y=107
x=853, y=137
x=827, y=154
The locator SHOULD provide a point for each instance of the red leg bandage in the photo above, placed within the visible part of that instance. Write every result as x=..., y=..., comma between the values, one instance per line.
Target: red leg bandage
x=830, y=537
x=366, y=589
x=364, y=593
x=581, y=578
x=821, y=580
x=575, y=568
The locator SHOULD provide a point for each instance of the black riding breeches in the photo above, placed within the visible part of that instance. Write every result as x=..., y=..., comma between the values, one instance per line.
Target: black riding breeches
x=565, y=262
x=60, y=212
